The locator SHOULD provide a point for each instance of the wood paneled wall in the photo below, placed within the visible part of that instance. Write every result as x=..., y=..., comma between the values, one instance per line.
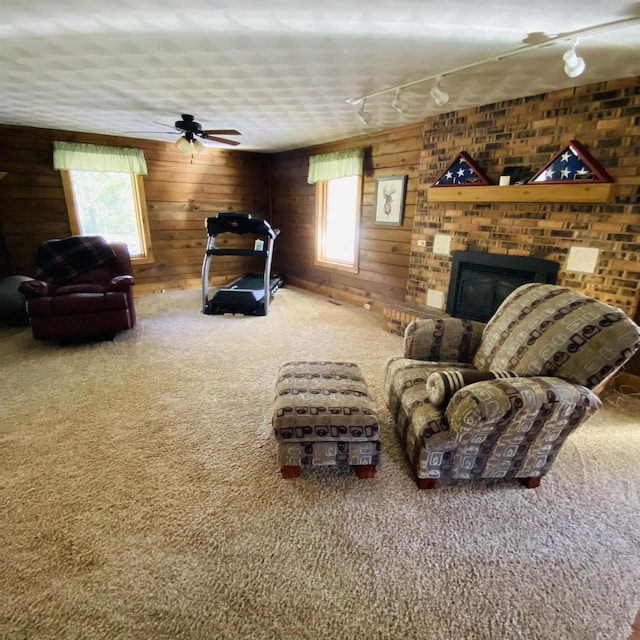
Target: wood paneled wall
x=181, y=191
x=384, y=250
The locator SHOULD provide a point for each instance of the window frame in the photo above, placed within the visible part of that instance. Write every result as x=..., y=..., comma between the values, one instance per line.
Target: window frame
x=321, y=213
x=140, y=203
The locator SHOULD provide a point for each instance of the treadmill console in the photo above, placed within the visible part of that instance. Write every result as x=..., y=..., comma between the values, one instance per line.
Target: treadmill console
x=238, y=222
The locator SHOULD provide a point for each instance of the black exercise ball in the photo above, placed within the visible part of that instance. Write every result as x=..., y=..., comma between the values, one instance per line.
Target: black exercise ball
x=12, y=302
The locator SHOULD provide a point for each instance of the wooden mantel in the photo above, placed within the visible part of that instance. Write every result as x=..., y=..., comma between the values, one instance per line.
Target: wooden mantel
x=591, y=192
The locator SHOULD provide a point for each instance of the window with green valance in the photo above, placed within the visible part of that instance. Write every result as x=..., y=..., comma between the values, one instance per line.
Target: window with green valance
x=104, y=193
x=339, y=164
x=89, y=157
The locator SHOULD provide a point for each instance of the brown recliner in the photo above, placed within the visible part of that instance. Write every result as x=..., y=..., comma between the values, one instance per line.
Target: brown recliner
x=93, y=304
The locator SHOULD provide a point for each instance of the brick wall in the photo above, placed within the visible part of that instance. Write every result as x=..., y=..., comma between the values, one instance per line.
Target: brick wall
x=530, y=131
x=396, y=317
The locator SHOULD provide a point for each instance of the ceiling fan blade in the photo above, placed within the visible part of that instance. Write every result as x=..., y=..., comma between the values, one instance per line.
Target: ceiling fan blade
x=162, y=124
x=233, y=143
x=169, y=132
x=224, y=132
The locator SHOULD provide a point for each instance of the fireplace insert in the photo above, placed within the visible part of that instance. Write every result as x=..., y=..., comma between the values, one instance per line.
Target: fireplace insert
x=480, y=281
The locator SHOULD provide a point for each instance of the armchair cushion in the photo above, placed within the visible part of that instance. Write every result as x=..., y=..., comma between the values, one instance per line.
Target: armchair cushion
x=442, y=340
x=78, y=304
x=68, y=289
x=441, y=385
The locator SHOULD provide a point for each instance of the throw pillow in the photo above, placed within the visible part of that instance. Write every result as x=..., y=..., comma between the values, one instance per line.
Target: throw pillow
x=441, y=385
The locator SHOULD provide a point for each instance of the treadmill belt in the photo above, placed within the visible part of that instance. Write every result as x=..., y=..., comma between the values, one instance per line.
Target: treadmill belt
x=249, y=281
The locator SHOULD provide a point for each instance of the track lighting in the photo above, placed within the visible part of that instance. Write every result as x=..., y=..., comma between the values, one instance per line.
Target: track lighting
x=440, y=97
x=400, y=105
x=363, y=116
x=574, y=65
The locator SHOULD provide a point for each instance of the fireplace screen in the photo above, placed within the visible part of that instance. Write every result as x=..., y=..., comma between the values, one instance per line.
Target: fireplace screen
x=481, y=281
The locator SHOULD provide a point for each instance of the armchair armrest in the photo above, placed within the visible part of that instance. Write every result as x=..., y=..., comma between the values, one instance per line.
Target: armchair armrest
x=508, y=405
x=34, y=289
x=121, y=283
x=442, y=340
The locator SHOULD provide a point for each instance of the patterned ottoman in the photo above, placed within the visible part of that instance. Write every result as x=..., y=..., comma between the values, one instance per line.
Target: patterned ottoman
x=323, y=415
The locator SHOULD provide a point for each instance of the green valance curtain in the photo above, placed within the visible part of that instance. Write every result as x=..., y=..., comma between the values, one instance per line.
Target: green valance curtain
x=340, y=164
x=90, y=157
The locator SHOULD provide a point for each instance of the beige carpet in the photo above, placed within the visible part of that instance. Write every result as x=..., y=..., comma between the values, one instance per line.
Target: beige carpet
x=141, y=499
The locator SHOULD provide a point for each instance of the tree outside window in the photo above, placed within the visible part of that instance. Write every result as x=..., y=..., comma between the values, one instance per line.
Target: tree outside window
x=106, y=206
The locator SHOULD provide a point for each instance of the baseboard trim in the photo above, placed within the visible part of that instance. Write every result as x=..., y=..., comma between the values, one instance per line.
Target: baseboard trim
x=333, y=293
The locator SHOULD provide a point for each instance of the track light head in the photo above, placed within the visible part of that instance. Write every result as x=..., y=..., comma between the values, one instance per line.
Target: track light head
x=440, y=97
x=574, y=65
x=363, y=116
x=401, y=106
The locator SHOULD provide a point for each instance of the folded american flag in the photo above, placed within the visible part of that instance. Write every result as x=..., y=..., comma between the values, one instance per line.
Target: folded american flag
x=63, y=259
x=462, y=171
x=573, y=163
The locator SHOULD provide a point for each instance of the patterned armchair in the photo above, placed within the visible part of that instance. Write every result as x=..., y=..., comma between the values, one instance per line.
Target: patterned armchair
x=471, y=400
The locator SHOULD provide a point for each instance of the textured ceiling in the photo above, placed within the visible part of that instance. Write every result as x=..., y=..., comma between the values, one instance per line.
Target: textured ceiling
x=281, y=71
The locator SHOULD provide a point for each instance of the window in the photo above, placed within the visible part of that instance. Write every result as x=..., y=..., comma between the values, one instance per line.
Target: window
x=109, y=204
x=338, y=221
x=105, y=194
x=338, y=180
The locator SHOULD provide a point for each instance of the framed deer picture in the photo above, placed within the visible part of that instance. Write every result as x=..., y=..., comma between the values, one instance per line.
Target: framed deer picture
x=389, y=202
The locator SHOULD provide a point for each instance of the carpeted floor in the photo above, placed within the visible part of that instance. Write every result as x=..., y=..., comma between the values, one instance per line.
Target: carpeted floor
x=141, y=499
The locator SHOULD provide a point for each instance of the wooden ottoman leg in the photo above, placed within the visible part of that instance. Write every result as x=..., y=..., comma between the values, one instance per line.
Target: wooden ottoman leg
x=364, y=471
x=289, y=472
x=427, y=483
x=531, y=483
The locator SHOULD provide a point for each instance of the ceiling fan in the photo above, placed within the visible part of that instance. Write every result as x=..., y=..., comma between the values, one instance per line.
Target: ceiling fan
x=192, y=130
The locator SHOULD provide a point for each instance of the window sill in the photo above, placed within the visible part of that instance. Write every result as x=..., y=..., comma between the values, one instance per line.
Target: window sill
x=336, y=266
x=148, y=259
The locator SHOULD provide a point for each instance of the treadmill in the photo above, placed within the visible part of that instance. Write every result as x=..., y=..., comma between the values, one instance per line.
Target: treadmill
x=250, y=294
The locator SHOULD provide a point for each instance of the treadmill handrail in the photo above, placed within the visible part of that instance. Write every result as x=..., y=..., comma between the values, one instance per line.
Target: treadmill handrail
x=236, y=252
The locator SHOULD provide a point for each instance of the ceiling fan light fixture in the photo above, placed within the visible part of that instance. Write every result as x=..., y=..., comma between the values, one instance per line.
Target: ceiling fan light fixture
x=574, y=65
x=197, y=146
x=440, y=97
x=183, y=145
x=400, y=105
x=363, y=116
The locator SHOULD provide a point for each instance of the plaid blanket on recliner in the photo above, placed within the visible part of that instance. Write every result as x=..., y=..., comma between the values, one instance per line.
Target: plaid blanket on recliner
x=63, y=259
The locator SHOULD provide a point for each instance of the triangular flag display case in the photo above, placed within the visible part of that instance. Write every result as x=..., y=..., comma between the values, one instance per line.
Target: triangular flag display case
x=573, y=164
x=573, y=175
x=463, y=171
